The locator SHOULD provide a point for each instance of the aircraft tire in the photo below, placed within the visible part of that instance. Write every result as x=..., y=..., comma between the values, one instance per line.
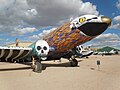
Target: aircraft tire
x=74, y=63
x=38, y=67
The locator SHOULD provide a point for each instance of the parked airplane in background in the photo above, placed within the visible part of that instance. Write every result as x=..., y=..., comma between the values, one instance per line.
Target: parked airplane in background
x=60, y=42
x=112, y=52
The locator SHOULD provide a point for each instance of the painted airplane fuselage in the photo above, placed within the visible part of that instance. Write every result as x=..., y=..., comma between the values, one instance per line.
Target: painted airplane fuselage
x=64, y=38
x=74, y=33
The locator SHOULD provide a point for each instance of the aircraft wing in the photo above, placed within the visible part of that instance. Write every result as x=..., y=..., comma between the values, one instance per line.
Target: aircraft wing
x=9, y=53
x=39, y=49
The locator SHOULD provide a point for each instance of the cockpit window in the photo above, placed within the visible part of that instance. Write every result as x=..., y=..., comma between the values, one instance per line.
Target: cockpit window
x=94, y=18
x=88, y=19
x=91, y=18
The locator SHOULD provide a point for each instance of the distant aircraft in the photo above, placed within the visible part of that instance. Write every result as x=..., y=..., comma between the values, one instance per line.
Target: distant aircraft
x=112, y=52
x=60, y=42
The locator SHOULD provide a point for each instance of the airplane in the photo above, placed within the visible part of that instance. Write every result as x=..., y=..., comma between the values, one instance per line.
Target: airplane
x=112, y=52
x=59, y=43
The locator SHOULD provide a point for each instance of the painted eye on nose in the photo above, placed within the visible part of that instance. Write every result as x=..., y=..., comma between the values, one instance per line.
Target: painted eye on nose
x=38, y=47
x=81, y=20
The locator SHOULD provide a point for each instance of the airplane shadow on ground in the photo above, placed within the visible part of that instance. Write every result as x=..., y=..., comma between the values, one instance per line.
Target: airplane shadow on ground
x=44, y=66
x=12, y=69
x=67, y=64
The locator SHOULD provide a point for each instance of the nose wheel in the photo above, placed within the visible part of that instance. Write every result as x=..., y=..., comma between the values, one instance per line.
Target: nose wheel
x=36, y=65
x=74, y=63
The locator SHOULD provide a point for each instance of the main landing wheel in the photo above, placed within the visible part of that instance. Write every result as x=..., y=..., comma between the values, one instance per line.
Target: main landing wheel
x=74, y=63
x=38, y=67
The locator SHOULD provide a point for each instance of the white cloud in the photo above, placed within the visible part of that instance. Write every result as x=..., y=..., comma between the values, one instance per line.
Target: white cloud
x=118, y=4
x=116, y=23
x=1, y=39
x=116, y=26
x=20, y=31
x=31, y=12
x=19, y=17
x=12, y=14
x=110, y=36
x=6, y=4
x=37, y=13
x=117, y=19
x=43, y=33
x=35, y=37
x=56, y=12
x=110, y=39
x=88, y=8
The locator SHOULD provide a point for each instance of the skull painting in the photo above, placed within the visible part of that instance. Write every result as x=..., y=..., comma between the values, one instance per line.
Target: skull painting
x=42, y=49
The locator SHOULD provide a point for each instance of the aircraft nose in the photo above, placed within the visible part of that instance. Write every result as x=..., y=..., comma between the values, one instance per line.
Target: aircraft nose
x=106, y=20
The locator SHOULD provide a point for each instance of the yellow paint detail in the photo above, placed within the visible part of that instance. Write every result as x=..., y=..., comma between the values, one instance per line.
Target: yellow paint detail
x=81, y=20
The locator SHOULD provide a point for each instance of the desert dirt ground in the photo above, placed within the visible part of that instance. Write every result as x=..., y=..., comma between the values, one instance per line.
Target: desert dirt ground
x=60, y=76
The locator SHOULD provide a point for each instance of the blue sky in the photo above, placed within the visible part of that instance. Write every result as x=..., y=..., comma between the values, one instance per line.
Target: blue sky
x=106, y=7
x=29, y=20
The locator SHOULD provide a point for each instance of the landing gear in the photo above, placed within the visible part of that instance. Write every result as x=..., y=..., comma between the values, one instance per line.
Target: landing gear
x=74, y=63
x=36, y=65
